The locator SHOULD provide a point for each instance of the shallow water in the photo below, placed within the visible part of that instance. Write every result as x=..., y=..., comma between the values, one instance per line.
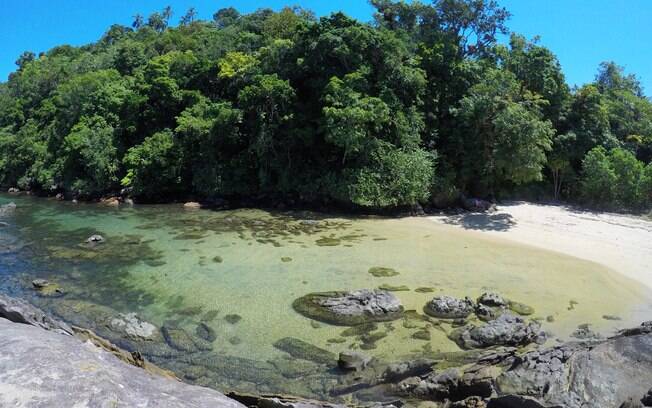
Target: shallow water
x=166, y=263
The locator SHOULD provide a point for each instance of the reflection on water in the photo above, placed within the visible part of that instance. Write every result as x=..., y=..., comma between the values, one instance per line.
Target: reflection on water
x=219, y=286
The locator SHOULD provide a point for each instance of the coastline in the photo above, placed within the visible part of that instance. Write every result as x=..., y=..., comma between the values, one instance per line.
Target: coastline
x=620, y=242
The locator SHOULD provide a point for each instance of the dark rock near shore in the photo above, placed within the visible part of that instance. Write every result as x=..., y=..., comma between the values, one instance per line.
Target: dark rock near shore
x=448, y=307
x=506, y=330
x=350, y=308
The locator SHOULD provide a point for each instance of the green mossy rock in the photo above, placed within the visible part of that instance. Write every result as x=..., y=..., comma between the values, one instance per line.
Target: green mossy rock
x=382, y=272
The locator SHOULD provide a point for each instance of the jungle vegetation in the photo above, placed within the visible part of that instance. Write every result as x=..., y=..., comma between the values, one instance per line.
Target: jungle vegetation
x=420, y=105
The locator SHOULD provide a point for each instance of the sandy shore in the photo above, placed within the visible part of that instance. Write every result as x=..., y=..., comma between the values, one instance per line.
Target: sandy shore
x=622, y=243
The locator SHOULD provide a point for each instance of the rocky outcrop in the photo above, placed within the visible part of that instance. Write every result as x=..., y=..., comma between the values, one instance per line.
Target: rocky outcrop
x=448, y=307
x=505, y=330
x=614, y=372
x=350, y=308
x=40, y=368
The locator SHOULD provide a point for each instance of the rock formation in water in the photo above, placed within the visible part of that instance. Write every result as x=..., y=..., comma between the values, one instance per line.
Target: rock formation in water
x=350, y=308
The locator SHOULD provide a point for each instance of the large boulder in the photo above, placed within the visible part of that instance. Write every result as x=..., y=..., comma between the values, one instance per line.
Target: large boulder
x=40, y=368
x=448, y=307
x=350, y=308
x=505, y=330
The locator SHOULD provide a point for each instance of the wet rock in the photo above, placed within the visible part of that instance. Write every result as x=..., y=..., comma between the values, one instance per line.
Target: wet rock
x=205, y=332
x=448, y=307
x=110, y=201
x=192, y=205
x=40, y=283
x=611, y=317
x=13, y=190
x=424, y=290
x=584, y=332
x=394, y=288
x=218, y=259
x=19, y=311
x=133, y=327
x=423, y=334
x=350, y=308
x=486, y=313
x=46, y=288
x=305, y=351
x=181, y=340
x=72, y=373
x=506, y=330
x=95, y=240
x=399, y=371
x=60, y=197
x=492, y=299
x=353, y=360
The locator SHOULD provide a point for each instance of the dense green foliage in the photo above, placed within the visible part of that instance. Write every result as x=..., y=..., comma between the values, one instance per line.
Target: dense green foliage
x=422, y=104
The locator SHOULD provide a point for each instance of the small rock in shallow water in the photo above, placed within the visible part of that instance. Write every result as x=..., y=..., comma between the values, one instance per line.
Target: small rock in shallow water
x=492, y=299
x=95, y=239
x=382, y=272
x=506, y=330
x=233, y=318
x=40, y=283
x=353, y=360
x=392, y=288
x=611, y=317
x=218, y=259
x=424, y=290
x=448, y=307
x=192, y=206
x=205, y=332
x=305, y=351
x=286, y=259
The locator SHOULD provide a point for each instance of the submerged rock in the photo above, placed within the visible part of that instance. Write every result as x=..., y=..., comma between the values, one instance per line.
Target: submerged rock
x=382, y=272
x=133, y=327
x=46, y=288
x=506, y=330
x=448, y=307
x=181, y=340
x=205, y=332
x=350, y=308
x=305, y=351
x=353, y=360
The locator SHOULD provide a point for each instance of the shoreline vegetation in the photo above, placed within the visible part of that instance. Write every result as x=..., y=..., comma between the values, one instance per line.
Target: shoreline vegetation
x=419, y=107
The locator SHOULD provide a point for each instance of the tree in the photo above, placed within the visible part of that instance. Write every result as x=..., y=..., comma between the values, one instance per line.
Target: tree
x=138, y=22
x=154, y=167
x=226, y=17
x=598, y=178
x=189, y=17
x=505, y=137
x=167, y=14
x=25, y=58
x=157, y=22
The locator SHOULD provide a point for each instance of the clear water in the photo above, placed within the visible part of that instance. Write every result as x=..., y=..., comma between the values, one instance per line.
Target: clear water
x=164, y=262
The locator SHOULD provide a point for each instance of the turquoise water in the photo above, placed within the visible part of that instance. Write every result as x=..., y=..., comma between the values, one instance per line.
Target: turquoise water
x=239, y=271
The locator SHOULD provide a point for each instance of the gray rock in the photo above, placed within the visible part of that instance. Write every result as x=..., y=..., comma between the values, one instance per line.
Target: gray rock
x=19, y=311
x=40, y=369
x=477, y=205
x=580, y=375
x=40, y=283
x=361, y=302
x=506, y=330
x=492, y=299
x=448, y=307
x=647, y=399
x=133, y=327
x=353, y=360
x=13, y=190
x=95, y=239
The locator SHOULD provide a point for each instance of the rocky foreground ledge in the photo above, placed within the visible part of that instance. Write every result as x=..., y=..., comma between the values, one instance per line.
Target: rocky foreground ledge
x=46, y=363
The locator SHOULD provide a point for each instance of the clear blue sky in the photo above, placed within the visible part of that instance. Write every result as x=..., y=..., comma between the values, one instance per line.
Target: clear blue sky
x=582, y=33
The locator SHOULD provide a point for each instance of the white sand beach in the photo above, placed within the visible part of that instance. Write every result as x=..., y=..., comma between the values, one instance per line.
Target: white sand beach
x=620, y=242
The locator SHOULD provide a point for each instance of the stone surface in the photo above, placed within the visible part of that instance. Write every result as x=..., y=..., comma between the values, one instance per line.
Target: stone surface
x=133, y=326
x=492, y=299
x=95, y=239
x=353, y=360
x=448, y=307
x=350, y=308
x=19, y=311
x=505, y=330
x=40, y=369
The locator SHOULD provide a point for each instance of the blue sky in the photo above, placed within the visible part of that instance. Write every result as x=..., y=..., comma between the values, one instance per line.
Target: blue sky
x=582, y=33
